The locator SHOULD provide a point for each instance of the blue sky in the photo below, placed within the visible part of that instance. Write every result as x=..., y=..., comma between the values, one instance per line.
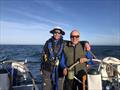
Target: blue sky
x=29, y=21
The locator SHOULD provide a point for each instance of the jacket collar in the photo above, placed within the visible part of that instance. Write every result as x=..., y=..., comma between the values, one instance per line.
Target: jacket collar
x=71, y=45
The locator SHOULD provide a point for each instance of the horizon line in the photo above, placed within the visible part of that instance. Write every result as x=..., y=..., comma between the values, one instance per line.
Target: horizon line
x=43, y=44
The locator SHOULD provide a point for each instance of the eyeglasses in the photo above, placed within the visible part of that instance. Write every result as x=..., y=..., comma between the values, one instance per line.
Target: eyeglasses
x=74, y=36
x=57, y=33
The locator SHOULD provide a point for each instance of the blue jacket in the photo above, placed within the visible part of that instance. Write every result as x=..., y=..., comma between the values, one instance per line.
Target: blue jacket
x=89, y=56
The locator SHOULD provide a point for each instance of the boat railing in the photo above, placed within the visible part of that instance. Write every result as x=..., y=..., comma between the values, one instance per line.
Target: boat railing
x=19, y=65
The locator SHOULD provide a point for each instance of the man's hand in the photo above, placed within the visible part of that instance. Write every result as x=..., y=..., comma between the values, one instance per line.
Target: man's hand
x=65, y=71
x=83, y=60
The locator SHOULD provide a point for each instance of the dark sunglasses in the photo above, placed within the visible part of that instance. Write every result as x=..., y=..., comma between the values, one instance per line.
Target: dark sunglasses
x=57, y=33
x=74, y=36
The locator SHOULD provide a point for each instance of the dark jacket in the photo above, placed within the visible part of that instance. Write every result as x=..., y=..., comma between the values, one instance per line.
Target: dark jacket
x=53, y=46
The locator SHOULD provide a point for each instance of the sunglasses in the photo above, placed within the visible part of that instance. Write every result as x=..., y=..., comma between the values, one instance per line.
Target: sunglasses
x=57, y=33
x=74, y=36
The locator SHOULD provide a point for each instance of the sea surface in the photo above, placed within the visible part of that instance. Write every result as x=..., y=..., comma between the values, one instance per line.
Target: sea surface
x=32, y=53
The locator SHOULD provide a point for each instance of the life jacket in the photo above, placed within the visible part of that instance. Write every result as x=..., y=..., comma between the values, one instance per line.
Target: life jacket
x=54, y=54
x=55, y=49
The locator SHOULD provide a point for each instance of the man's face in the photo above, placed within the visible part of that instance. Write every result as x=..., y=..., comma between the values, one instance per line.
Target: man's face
x=57, y=34
x=75, y=37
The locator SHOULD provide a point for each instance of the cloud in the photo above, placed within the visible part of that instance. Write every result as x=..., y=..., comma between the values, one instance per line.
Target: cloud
x=21, y=33
x=9, y=25
x=35, y=18
x=52, y=5
x=17, y=33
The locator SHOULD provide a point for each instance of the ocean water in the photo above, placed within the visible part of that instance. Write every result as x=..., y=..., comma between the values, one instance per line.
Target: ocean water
x=105, y=51
x=33, y=54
